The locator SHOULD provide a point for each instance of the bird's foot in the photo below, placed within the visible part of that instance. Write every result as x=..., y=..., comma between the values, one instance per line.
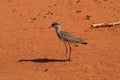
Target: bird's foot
x=68, y=60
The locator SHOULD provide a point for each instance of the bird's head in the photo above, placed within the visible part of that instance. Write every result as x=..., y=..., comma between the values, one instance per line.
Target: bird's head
x=55, y=25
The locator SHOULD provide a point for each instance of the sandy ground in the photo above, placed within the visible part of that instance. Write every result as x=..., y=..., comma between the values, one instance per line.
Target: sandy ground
x=31, y=51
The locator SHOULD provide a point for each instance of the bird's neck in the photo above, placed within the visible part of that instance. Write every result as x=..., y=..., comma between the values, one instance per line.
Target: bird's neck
x=57, y=28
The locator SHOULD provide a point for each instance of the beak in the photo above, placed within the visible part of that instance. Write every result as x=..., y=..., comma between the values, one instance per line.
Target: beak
x=50, y=27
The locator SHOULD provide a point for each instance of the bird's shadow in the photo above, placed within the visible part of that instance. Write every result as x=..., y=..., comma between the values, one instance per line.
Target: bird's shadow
x=43, y=60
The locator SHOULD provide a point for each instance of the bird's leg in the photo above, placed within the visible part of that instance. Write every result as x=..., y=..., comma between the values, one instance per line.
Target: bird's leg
x=66, y=49
x=69, y=51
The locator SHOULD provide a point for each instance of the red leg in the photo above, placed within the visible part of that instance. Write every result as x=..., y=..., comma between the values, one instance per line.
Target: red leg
x=69, y=52
x=66, y=49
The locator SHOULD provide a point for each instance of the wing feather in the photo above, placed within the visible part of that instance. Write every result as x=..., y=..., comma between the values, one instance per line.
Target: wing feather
x=66, y=36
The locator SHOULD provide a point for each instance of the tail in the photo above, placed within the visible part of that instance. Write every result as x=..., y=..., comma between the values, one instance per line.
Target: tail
x=81, y=41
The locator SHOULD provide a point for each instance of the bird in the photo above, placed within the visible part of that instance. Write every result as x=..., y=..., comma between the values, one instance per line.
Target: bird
x=67, y=39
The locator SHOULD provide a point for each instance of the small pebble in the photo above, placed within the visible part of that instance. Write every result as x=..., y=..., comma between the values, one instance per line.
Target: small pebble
x=46, y=70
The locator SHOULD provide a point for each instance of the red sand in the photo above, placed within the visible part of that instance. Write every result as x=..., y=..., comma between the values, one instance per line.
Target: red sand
x=27, y=46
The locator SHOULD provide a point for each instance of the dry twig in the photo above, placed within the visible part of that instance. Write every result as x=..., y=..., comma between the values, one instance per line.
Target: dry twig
x=105, y=24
